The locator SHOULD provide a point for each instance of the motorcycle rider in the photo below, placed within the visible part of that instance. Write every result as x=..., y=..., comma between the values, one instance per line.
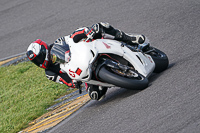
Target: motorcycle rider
x=43, y=55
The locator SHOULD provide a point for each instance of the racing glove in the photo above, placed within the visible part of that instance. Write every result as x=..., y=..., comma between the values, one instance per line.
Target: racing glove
x=92, y=31
x=72, y=84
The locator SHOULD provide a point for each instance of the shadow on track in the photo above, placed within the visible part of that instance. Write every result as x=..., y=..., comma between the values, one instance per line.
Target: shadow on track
x=155, y=76
x=114, y=94
x=117, y=93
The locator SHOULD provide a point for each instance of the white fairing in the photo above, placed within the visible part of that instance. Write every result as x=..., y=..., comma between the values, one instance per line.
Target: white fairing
x=83, y=54
x=143, y=63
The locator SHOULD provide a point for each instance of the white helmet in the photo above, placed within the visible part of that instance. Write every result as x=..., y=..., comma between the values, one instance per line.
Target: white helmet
x=38, y=53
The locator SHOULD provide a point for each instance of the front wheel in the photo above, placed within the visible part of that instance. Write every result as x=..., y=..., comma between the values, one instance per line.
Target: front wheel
x=160, y=59
x=129, y=80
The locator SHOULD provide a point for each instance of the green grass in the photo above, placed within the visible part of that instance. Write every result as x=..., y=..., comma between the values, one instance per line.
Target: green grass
x=25, y=93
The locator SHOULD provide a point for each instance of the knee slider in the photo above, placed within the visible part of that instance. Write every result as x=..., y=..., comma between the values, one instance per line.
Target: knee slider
x=94, y=95
x=51, y=75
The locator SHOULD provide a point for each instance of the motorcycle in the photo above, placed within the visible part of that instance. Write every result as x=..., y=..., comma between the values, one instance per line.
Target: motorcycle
x=109, y=63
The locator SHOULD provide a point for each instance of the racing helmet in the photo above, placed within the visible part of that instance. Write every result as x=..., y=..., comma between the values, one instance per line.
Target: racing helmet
x=38, y=53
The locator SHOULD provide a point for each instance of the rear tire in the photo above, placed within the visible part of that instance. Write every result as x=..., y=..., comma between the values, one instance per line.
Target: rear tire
x=107, y=75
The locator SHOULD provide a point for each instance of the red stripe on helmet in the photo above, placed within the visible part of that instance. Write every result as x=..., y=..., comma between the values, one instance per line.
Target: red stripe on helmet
x=39, y=41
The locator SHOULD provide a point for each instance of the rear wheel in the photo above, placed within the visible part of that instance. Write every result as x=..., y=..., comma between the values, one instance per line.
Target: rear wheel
x=160, y=59
x=130, y=79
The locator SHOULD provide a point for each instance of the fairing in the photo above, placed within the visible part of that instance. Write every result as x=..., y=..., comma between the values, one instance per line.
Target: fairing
x=83, y=55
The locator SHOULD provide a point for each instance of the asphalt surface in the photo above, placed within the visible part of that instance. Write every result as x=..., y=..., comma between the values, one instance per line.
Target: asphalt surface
x=169, y=105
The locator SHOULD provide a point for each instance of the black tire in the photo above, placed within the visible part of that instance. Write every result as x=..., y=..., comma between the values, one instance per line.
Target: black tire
x=129, y=83
x=160, y=59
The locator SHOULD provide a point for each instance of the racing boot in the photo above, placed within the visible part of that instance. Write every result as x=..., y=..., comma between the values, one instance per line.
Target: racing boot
x=108, y=32
x=134, y=40
x=106, y=28
x=130, y=39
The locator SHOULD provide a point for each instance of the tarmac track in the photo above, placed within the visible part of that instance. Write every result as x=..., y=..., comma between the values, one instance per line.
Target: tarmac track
x=170, y=104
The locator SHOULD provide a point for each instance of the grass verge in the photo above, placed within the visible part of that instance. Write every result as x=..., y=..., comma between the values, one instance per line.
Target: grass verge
x=25, y=93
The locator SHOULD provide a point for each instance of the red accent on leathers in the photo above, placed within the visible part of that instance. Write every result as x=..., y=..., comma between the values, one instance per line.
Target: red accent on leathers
x=78, y=32
x=68, y=84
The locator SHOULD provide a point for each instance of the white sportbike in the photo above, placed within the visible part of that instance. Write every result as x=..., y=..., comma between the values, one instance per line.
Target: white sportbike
x=108, y=63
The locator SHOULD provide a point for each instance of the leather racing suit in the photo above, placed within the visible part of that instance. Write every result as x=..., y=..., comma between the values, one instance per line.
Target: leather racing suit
x=98, y=30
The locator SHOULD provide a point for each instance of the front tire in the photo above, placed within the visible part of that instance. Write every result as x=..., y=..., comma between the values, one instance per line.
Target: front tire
x=135, y=83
